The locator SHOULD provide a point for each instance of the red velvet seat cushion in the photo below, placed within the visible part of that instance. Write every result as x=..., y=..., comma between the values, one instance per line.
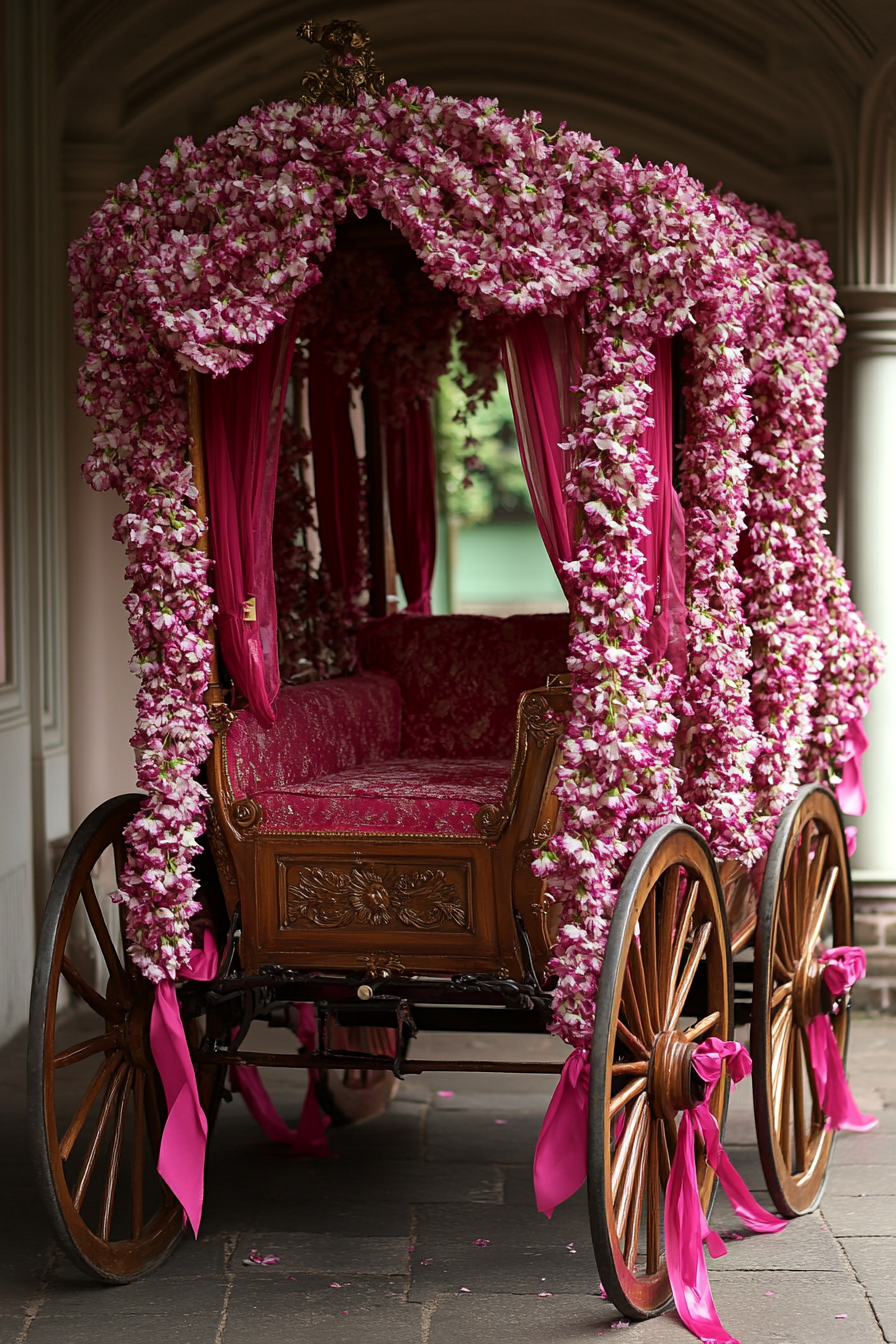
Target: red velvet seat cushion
x=400, y=797
x=319, y=729
x=461, y=677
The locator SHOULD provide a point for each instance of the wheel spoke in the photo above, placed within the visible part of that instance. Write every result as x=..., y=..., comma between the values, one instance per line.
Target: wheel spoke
x=703, y=1025
x=625, y=1163
x=799, y=1106
x=671, y=885
x=86, y=992
x=631, y=1041
x=814, y=883
x=90, y=1157
x=137, y=1154
x=800, y=891
x=621, y=1099
x=783, y=972
x=649, y=960
x=701, y=938
x=632, y=1005
x=820, y=908
x=636, y=1066
x=108, y=1041
x=780, y=1039
x=638, y=1174
x=153, y=1119
x=783, y=1100
x=654, y=1193
x=642, y=997
x=781, y=993
x=103, y=937
x=817, y=1113
x=681, y=937
x=95, y=1086
x=115, y=1150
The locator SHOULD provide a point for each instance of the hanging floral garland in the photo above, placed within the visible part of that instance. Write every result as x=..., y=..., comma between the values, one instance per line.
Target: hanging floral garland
x=198, y=260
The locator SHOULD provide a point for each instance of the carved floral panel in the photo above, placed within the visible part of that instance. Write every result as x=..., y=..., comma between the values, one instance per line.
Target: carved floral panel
x=380, y=896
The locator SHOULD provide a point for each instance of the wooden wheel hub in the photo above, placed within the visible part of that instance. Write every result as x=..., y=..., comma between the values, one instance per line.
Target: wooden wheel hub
x=673, y=1084
x=811, y=996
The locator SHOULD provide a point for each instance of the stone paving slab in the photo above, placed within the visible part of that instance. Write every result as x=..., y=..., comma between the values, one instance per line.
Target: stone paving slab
x=873, y=1216
x=374, y=1312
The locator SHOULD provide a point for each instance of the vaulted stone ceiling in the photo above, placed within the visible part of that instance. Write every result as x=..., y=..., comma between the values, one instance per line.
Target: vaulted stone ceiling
x=763, y=95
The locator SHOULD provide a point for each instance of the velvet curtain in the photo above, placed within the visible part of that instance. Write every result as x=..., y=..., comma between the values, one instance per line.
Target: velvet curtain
x=337, y=476
x=242, y=415
x=411, y=471
x=542, y=361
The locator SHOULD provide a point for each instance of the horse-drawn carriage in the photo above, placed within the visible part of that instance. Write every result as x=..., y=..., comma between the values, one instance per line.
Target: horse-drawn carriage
x=617, y=824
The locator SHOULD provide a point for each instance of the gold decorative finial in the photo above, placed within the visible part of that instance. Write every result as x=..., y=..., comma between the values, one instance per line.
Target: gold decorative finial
x=348, y=67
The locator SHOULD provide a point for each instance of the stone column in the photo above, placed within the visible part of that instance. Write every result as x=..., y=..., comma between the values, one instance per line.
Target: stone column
x=870, y=376
x=869, y=477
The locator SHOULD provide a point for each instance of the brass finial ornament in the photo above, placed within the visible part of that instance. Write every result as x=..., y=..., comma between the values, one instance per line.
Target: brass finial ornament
x=348, y=67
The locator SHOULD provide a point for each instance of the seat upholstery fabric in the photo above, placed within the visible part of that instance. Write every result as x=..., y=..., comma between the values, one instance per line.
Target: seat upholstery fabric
x=320, y=729
x=399, y=797
x=461, y=677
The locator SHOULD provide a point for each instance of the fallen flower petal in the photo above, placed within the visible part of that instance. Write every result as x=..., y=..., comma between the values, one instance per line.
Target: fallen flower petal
x=464, y=1290
x=482, y=1241
x=842, y=1317
x=544, y=1294
x=619, y=1325
x=571, y=1247
x=500, y=1122
x=426, y=1262
x=444, y=1094
x=771, y=1294
x=340, y=1285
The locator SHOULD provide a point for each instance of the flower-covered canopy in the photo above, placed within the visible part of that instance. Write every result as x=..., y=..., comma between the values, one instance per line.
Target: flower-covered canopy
x=195, y=264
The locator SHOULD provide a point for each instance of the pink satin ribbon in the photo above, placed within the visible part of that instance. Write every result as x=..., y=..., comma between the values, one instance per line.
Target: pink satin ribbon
x=686, y=1228
x=850, y=792
x=182, y=1151
x=309, y=1138
x=843, y=967
x=561, y=1152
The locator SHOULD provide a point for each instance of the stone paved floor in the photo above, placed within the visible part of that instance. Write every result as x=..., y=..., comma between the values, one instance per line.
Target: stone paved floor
x=437, y=1173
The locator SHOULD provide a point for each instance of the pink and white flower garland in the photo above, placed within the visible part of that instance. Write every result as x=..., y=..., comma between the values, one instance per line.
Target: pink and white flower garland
x=196, y=262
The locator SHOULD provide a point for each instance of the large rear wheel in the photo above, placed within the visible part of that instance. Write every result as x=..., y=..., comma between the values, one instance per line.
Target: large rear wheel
x=95, y=1101
x=665, y=985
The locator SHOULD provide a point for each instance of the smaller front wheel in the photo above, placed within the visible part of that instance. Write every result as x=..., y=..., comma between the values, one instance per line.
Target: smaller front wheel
x=665, y=984
x=806, y=903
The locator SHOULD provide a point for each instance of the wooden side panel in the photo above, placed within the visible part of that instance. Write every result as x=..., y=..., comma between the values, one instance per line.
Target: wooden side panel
x=359, y=902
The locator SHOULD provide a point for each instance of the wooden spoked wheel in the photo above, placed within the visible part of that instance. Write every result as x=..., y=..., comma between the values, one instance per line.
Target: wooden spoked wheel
x=96, y=1105
x=665, y=986
x=806, y=903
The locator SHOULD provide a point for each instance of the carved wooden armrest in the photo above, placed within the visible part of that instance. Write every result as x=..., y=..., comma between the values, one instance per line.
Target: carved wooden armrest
x=541, y=719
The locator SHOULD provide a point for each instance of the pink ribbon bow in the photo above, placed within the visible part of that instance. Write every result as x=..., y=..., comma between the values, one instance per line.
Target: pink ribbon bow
x=843, y=967
x=182, y=1151
x=560, y=1165
x=685, y=1223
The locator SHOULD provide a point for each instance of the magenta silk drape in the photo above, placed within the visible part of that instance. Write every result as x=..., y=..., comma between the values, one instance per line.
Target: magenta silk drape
x=542, y=360
x=664, y=548
x=337, y=477
x=242, y=415
x=411, y=469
